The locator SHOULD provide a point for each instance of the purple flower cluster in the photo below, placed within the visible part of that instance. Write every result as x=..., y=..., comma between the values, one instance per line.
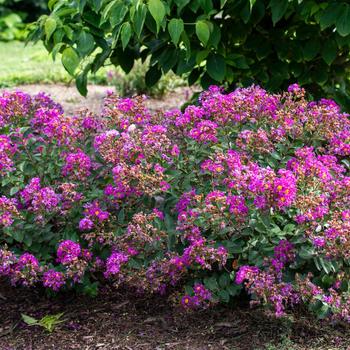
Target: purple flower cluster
x=94, y=215
x=7, y=151
x=77, y=166
x=204, y=131
x=68, y=251
x=40, y=200
x=54, y=280
x=114, y=263
x=200, y=298
x=8, y=211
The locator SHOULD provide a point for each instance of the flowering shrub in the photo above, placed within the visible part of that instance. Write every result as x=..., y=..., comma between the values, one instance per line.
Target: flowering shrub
x=246, y=191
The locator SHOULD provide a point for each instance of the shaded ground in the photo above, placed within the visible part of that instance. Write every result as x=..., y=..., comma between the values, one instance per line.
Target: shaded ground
x=71, y=100
x=116, y=320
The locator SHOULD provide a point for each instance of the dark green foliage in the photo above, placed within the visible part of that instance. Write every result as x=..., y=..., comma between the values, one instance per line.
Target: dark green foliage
x=268, y=42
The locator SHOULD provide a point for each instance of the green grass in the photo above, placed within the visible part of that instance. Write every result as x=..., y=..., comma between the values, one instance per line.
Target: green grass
x=31, y=64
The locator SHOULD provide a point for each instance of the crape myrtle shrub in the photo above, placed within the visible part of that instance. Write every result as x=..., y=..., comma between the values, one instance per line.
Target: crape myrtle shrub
x=270, y=42
x=245, y=191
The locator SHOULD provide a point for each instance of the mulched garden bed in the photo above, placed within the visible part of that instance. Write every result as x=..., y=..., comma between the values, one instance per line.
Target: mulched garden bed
x=120, y=320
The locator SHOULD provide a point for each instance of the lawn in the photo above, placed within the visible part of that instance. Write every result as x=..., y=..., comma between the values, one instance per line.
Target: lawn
x=20, y=64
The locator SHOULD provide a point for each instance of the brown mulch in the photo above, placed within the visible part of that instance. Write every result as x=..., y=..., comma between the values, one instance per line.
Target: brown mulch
x=120, y=320
x=72, y=101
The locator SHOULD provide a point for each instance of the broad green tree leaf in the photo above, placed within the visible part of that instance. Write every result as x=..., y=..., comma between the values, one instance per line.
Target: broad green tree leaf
x=175, y=28
x=157, y=10
x=125, y=34
x=153, y=75
x=203, y=31
x=330, y=15
x=50, y=27
x=139, y=19
x=117, y=14
x=85, y=43
x=343, y=21
x=81, y=83
x=278, y=9
x=329, y=51
x=216, y=67
x=70, y=60
x=181, y=4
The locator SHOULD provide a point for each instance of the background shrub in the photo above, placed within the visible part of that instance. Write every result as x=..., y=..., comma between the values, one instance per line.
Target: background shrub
x=134, y=83
x=14, y=14
x=245, y=190
x=240, y=42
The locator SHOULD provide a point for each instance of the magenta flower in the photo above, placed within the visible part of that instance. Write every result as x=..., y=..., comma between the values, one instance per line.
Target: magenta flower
x=53, y=279
x=77, y=166
x=85, y=224
x=68, y=251
x=245, y=273
x=114, y=263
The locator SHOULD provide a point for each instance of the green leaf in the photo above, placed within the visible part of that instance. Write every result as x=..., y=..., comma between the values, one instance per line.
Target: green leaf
x=251, y=4
x=29, y=320
x=50, y=27
x=343, y=21
x=96, y=5
x=175, y=28
x=50, y=322
x=117, y=14
x=216, y=67
x=124, y=59
x=139, y=19
x=278, y=9
x=70, y=60
x=329, y=51
x=106, y=11
x=56, y=50
x=85, y=43
x=330, y=15
x=203, y=31
x=181, y=4
x=157, y=10
x=152, y=76
x=81, y=83
x=224, y=296
x=125, y=34
x=121, y=216
x=18, y=235
x=14, y=190
x=238, y=61
x=311, y=49
x=211, y=283
x=50, y=4
x=224, y=280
